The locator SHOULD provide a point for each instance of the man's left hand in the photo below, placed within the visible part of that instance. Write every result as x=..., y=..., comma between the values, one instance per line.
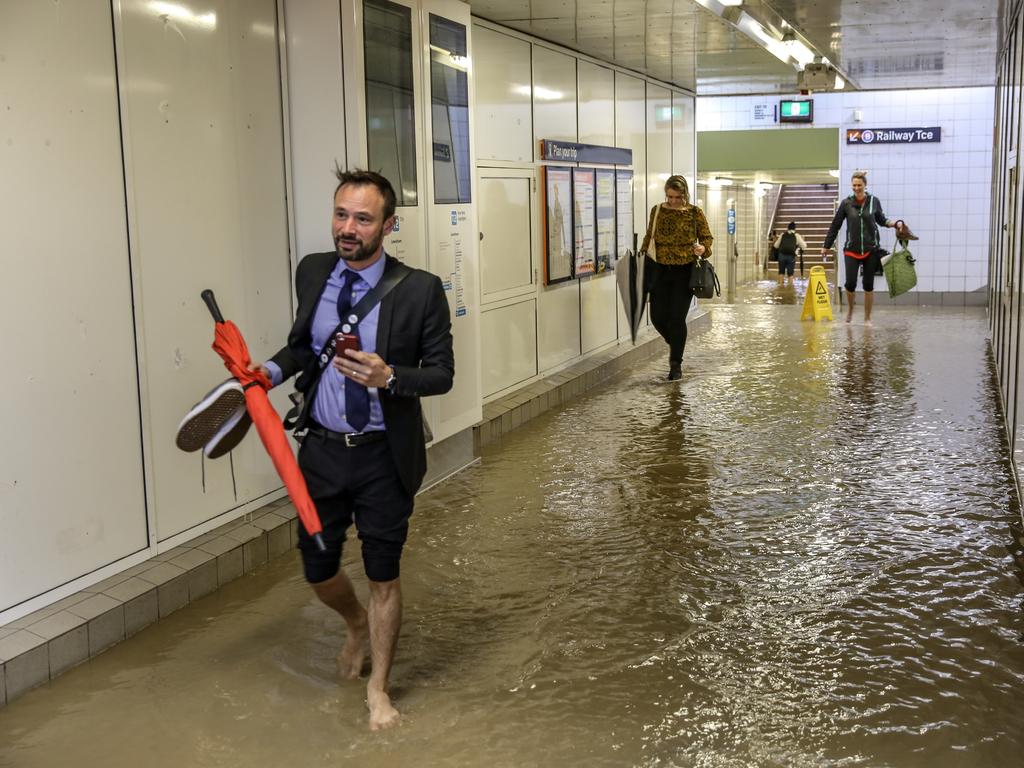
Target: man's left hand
x=366, y=368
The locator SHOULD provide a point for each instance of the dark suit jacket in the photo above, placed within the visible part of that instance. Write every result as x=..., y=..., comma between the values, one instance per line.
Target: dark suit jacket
x=413, y=336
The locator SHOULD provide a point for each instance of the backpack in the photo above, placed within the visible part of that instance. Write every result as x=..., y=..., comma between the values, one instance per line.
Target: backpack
x=787, y=246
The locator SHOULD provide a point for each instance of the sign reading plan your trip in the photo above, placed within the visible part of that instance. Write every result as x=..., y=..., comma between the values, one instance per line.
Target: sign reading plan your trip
x=893, y=135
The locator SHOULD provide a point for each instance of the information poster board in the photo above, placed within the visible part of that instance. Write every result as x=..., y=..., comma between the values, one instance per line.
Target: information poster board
x=583, y=220
x=605, y=219
x=558, y=224
x=623, y=213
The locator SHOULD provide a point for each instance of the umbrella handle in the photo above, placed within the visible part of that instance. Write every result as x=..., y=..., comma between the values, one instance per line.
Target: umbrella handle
x=319, y=541
x=211, y=304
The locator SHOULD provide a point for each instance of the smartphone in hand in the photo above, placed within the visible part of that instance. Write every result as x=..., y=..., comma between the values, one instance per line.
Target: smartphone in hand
x=345, y=341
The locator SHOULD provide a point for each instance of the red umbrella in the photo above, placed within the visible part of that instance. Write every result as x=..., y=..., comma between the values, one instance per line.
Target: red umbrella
x=229, y=344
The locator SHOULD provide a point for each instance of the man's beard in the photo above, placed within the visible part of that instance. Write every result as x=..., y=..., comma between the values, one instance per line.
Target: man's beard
x=364, y=252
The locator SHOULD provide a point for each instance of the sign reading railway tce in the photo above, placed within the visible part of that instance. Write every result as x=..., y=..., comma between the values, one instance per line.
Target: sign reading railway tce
x=893, y=135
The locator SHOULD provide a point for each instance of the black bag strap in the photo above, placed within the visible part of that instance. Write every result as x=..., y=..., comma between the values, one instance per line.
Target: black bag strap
x=363, y=307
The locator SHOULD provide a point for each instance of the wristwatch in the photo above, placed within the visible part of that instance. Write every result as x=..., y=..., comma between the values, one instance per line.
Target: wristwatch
x=392, y=381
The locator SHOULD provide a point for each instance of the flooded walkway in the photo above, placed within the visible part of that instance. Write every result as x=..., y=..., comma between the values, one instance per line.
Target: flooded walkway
x=800, y=555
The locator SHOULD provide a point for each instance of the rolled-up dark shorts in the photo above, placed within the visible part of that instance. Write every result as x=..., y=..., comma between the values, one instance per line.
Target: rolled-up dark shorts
x=354, y=485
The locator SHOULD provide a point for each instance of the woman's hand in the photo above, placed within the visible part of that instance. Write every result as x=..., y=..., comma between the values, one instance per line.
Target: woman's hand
x=698, y=250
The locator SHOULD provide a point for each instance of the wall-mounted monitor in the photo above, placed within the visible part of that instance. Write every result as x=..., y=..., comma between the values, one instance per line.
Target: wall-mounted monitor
x=796, y=111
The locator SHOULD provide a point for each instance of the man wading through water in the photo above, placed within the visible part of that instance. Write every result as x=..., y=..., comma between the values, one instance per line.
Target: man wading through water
x=363, y=455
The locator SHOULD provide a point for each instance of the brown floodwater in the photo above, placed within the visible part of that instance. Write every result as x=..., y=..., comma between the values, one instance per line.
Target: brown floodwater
x=801, y=555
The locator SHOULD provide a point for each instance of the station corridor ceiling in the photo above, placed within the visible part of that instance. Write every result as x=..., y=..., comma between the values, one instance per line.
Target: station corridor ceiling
x=879, y=44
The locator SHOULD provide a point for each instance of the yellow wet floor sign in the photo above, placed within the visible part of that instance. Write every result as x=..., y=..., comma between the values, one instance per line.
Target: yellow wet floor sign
x=816, y=302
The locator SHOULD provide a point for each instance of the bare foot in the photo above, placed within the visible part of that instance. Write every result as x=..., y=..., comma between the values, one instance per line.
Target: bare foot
x=849, y=316
x=382, y=714
x=353, y=653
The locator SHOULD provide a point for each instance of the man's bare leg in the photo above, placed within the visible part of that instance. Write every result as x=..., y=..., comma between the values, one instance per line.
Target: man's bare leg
x=849, y=305
x=385, y=620
x=338, y=593
x=869, y=299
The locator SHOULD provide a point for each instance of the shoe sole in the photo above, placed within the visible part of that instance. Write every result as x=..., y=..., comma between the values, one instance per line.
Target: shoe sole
x=230, y=435
x=207, y=416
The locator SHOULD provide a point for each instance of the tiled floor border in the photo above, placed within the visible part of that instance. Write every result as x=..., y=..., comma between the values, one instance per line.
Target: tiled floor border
x=44, y=644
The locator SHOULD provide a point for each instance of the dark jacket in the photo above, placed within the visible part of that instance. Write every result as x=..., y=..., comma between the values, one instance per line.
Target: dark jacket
x=413, y=336
x=862, y=222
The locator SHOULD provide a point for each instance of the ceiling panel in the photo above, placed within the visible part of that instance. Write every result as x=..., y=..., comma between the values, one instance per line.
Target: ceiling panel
x=881, y=44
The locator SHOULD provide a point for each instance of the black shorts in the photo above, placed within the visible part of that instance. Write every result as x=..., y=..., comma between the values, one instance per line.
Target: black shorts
x=360, y=485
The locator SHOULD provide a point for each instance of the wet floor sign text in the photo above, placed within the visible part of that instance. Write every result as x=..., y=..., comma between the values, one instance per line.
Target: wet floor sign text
x=817, y=304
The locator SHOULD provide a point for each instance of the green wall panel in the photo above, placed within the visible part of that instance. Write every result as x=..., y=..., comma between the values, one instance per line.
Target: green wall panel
x=786, y=148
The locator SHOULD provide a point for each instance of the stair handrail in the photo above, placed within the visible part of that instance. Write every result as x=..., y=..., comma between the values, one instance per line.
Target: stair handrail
x=771, y=225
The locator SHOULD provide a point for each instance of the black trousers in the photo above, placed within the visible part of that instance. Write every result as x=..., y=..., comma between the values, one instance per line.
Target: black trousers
x=671, y=297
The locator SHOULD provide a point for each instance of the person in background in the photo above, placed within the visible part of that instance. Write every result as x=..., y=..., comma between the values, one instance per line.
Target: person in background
x=862, y=213
x=786, y=245
x=679, y=233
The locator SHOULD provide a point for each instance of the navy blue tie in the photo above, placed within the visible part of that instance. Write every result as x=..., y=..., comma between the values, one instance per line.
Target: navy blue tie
x=357, y=398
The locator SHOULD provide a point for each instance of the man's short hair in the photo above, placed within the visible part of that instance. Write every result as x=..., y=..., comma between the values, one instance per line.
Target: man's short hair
x=360, y=178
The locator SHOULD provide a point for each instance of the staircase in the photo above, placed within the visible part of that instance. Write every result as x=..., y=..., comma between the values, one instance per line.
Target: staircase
x=812, y=207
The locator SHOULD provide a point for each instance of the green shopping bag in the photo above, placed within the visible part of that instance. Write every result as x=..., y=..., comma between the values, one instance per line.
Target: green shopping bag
x=900, y=273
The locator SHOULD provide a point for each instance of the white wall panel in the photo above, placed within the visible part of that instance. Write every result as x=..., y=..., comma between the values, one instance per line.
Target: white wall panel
x=510, y=355
x=597, y=104
x=504, y=123
x=554, y=96
x=659, y=142
x=316, y=116
x=453, y=234
x=684, y=150
x=71, y=486
x=631, y=132
x=598, y=306
x=505, y=224
x=558, y=324
x=203, y=108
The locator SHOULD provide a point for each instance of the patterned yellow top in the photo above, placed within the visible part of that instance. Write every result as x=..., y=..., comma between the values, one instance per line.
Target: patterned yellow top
x=678, y=229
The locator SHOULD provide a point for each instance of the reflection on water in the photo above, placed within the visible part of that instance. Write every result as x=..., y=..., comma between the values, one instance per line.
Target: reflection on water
x=799, y=556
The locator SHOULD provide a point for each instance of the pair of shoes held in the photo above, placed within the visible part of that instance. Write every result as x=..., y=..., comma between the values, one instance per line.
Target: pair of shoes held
x=217, y=423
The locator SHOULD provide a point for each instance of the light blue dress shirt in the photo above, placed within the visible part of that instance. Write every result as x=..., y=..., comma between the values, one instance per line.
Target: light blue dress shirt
x=329, y=405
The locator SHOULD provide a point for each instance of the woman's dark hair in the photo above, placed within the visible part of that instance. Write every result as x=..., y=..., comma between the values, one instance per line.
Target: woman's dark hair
x=361, y=178
x=678, y=183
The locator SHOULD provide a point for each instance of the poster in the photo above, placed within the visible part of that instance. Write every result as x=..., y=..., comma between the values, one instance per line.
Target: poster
x=583, y=220
x=623, y=213
x=558, y=223
x=605, y=220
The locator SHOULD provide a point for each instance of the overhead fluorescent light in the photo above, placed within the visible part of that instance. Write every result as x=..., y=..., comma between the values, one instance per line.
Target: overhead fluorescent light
x=722, y=181
x=756, y=31
x=798, y=50
x=840, y=83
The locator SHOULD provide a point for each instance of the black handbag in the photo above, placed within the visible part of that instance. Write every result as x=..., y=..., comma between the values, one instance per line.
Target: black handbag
x=704, y=281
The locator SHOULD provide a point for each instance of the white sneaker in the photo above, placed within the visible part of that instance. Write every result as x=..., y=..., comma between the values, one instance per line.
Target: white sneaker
x=207, y=416
x=230, y=435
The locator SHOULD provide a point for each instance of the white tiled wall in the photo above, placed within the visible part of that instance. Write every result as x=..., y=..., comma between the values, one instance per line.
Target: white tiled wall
x=942, y=190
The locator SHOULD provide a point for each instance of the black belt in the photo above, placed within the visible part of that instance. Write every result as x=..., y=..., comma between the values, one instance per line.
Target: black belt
x=350, y=439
